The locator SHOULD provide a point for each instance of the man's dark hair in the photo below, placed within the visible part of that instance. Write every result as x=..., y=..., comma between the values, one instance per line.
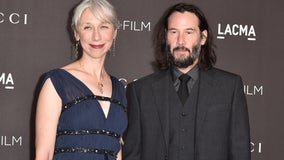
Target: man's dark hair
x=207, y=57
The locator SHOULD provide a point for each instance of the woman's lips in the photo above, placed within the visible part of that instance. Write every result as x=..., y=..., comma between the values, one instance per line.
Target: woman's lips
x=97, y=46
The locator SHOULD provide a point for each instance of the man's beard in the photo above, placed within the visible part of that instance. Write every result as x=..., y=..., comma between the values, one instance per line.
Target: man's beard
x=188, y=60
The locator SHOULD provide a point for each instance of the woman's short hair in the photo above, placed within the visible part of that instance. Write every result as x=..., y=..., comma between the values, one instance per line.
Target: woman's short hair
x=101, y=9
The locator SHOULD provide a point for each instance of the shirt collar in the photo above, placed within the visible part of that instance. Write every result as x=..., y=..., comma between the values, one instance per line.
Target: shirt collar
x=193, y=73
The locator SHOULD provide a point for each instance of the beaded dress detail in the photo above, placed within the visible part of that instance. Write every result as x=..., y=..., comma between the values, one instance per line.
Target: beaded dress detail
x=84, y=132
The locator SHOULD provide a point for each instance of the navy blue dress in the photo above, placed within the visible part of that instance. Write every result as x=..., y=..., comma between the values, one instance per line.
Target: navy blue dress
x=84, y=132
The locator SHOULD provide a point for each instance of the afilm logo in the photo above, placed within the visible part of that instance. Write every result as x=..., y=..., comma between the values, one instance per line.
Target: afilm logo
x=7, y=81
x=253, y=90
x=8, y=141
x=136, y=26
x=236, y=30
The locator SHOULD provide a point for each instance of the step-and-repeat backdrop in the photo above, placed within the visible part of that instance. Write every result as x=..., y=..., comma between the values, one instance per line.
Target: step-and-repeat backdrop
x=34, y=39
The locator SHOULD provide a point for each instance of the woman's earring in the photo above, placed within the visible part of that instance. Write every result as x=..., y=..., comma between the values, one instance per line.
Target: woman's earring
x=76, y=49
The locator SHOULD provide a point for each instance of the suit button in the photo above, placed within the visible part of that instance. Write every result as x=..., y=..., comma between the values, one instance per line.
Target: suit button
x=183, y=114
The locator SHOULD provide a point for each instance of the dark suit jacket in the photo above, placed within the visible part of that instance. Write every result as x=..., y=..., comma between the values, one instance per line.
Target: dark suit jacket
x=222, y=123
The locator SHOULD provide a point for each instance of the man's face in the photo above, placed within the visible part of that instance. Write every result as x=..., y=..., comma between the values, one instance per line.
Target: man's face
x=184, y=39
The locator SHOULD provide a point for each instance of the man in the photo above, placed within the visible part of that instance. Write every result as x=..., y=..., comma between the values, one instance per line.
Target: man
x=203, y=117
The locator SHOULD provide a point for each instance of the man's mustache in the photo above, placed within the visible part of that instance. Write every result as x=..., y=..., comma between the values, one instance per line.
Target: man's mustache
x=181, y=48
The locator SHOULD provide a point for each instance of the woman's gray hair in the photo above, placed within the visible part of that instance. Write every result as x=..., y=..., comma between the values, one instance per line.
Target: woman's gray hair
x=101, y=9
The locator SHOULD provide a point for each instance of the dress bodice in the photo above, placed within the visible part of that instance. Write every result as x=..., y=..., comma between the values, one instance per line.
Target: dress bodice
x=84, y=132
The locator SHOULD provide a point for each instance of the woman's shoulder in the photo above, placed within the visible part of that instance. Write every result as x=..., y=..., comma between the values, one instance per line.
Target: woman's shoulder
x=51, y=73
x=116, y=81
x=71, y=67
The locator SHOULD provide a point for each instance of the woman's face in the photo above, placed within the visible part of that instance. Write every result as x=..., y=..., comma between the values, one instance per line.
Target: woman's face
x=95, y=36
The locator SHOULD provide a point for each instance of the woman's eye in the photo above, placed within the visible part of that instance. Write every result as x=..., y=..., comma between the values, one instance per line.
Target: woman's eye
x=104, y=27
x=87, y=28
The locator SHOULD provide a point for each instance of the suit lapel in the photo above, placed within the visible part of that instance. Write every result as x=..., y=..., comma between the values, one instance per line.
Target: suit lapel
x=161, y=94
x=207, y=88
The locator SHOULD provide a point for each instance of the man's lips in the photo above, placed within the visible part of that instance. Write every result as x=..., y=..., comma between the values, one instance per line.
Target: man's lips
x=97, y=46
x=181, y=51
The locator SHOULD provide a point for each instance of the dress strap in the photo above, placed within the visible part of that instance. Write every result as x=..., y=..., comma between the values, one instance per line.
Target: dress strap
x=90, y=131
x=86, y=150
x=88, y=97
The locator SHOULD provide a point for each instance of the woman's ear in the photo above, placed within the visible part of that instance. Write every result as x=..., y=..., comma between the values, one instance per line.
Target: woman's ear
x=76, y=36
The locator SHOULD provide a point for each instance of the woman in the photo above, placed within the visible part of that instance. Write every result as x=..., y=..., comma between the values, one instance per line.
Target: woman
x=81, y=108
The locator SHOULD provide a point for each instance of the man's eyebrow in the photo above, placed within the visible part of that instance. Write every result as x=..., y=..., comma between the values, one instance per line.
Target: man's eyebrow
x=192, y=29
x=189, y=29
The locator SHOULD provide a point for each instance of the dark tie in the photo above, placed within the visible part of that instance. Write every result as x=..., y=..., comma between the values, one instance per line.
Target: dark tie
x=183, y=90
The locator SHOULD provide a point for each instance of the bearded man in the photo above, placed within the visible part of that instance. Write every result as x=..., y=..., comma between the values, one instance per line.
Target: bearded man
x=188, y=110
